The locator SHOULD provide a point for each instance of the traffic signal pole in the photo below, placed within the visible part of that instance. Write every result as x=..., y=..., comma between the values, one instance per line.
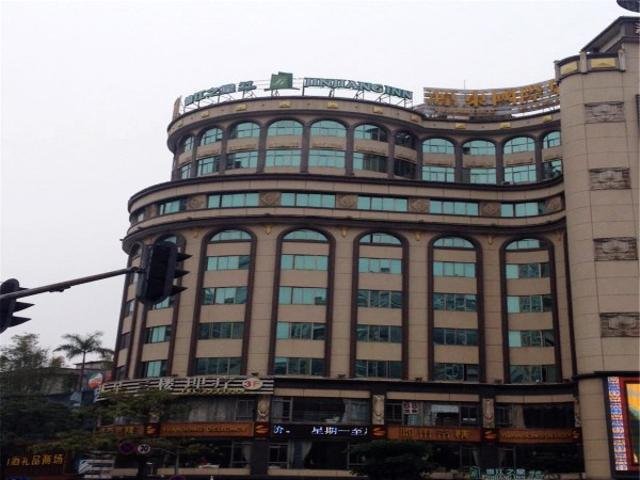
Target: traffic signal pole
x=61, y=286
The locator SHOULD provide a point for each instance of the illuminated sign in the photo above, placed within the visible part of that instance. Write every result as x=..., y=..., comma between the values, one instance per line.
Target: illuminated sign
x=207, y=429
x=319, y=431
x=199, y=385
x=538, y=435
x=43, y=464
x=476, y=473
x=500, y=102
x=285, y=81
x=624, y=417
x=442, y=434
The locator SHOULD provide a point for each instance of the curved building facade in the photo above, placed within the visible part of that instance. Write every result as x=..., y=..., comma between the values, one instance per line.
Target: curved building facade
x=364, y=270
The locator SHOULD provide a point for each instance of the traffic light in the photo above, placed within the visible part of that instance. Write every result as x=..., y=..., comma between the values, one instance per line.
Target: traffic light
x=159, y=270
x=7, y=307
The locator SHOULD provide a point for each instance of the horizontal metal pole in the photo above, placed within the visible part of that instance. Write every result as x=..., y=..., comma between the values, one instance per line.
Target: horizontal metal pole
x=60, y=286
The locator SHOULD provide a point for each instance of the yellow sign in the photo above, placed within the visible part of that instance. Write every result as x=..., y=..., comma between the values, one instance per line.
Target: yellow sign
x=501, y=102
x=206, y=429
x=441, y=434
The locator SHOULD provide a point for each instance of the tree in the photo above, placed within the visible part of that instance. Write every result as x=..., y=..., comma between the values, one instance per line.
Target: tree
x=25, y=367
x=78, y=345
x=392, y=460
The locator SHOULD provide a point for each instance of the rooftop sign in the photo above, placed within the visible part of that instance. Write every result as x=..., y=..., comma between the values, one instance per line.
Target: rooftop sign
x=285, y=81
x=488, y=103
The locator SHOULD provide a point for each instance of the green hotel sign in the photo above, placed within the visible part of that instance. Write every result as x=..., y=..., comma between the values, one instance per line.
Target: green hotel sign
x=285, y=81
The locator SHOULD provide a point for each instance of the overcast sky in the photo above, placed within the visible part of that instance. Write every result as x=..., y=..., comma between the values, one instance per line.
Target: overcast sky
x=88, y=89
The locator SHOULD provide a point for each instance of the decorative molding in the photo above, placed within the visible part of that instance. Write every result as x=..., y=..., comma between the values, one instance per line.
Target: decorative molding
x=377, y=410
x=553, y=204
x=489, y=209
x=488, y=413
x=620, y=324
x=270, y=199
x=346, y=201
x=622, y=248
x=263, y=408
x=418, y=205
x=604, y=112
x=613, y=178
x=196, y=202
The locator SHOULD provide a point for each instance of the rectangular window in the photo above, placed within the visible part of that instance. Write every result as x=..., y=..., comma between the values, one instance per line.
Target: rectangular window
x=124, y=340
x=166, y=303
x=387, y=204
x=220, y=330
x=368, y=161
x=434, y=173
x=230, y=262
x=242, y=160
x=440, y=207
x=184, y=171
x=380, y=265
x=299, y=366
x=283, y=158
x=172, y=206
x=486, y=176
x=233, y=200
x=379, y=333
x=302, y=296
x=224, y=295
x=315, y=200
x=128, y=307
x=402, y=168
x=208, y=165
x=520, y=174
x=551, y=169
x=454, y=269
x=326, y=158
x=154, y=368
x=531, y=338
x=457, y=302
x=218, y=366
x=380, y=298
x=304, y=262
x=300, y=331
x=158, y=334
x=455, y=336
x=520, y=210
x=529, y=303
x=527, y=270
x=379, y=368
x=456, y=371
x=533, y=374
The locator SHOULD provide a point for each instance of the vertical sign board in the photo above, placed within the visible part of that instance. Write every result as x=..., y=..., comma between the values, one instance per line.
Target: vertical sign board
x=623, y=402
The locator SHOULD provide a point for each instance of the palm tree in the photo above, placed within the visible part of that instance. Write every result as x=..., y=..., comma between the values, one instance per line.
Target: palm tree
x=82, y=345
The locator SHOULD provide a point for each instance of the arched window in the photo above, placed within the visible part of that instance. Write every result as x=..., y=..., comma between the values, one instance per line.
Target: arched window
x=453, y=242
x=370, y=132
x=405, y=139
x=379, y=239
x=479, y=147
x=168, y=238
x=230, y=236
x=519, y=144
x=328, y=128
x=212, y=135
x=284, y=127
x=551, y=139
x=187, y=144
x=525, y=244
x=438, y=145
x=305, y=235
x=245, y=130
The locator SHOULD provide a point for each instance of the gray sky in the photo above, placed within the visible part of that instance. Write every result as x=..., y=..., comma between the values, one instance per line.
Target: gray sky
x=88, y=88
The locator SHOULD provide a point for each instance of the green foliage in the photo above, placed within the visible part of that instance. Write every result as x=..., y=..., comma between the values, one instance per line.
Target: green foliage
x=392, y=460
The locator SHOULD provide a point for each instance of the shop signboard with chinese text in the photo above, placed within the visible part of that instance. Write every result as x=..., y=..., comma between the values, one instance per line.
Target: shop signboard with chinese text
x=623, y=404
x=34, y=465
x=538, y=435
x=198, y=385
x=490, y=103
x=319, y=431
x=434, y=434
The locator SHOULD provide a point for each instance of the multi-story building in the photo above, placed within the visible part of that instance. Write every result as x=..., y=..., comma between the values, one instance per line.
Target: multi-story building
x=463, y=272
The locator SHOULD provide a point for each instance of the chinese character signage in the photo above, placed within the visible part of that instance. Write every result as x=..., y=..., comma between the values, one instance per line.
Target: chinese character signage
x=319, y=431
x=475, y=473
x=538, y=435
x=206, y=429
x=201, y=385
x=624, y=416
x=35, y=464
x=435, y=434
x=504, y=102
